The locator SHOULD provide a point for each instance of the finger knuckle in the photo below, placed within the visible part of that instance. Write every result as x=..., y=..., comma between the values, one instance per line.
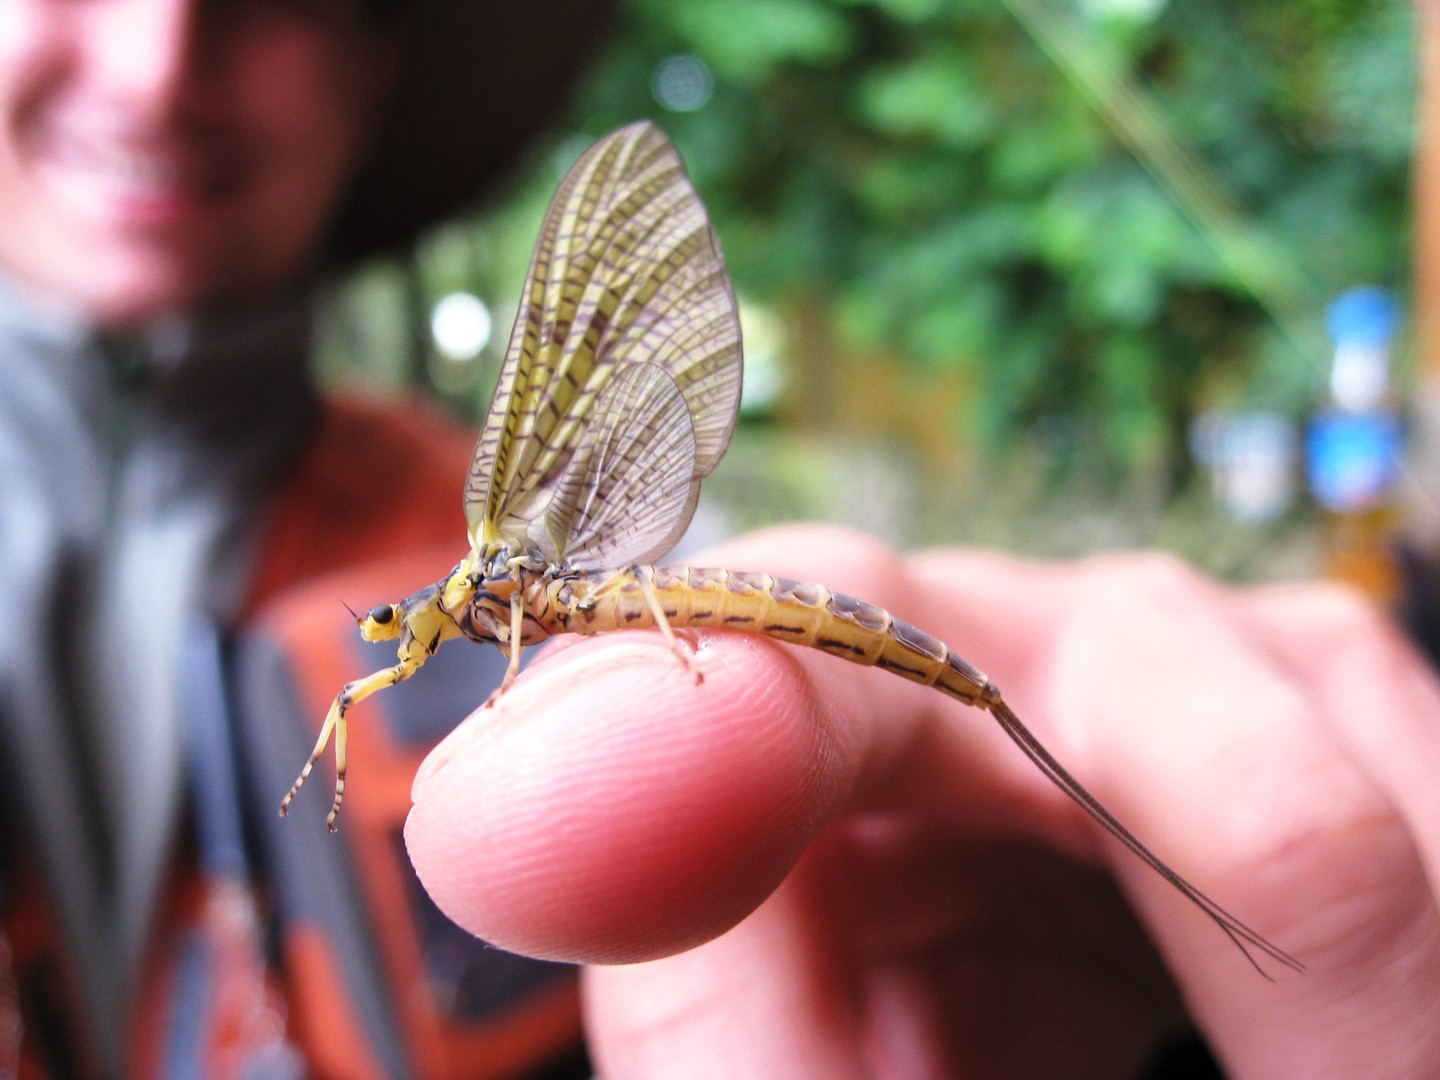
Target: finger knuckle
x=1152, y=584
x=1343, y=614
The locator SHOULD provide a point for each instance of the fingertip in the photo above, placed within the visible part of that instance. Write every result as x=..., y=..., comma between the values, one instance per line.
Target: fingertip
x=608, y=809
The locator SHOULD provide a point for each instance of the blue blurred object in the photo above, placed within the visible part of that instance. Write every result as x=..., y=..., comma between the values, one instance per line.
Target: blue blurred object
x=1362, y=316
x=1353, y=458
x=1355, y=441
x=1251, y=455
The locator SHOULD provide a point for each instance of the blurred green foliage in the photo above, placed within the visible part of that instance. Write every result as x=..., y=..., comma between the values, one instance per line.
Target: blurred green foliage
x=949, y=193
x=1102, y=215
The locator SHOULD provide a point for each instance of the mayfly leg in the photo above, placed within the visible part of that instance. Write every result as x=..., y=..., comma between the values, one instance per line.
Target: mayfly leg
x=643, y=576
x=335, y=725
x=513, y=648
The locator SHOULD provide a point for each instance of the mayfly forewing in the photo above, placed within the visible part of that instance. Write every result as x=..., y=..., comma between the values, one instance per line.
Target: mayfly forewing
x=627, y=271
x=506, y=425
x=631, y=486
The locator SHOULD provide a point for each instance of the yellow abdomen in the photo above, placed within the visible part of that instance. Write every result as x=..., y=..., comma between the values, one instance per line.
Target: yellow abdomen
x=797, y=612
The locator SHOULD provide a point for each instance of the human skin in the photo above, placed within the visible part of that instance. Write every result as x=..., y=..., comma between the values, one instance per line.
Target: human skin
x=801, y=867
x=162, y=156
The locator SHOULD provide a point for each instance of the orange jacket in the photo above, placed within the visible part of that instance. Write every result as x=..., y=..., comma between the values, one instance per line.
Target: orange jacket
x=372, y=513
x=381, y=480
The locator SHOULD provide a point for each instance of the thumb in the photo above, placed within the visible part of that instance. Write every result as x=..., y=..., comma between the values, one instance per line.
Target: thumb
x=607, y=810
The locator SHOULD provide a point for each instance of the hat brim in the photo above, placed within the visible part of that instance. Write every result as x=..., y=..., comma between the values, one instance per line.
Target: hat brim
x=475, y=80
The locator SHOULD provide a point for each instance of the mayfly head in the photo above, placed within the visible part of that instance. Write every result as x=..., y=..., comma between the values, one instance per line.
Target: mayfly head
x=381, y=623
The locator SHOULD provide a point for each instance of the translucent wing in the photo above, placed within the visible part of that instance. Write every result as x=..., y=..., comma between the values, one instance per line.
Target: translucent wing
x=627, y=271
x=631, y=485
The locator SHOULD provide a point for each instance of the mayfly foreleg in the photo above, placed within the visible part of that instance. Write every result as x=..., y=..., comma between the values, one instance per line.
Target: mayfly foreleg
x=335, y=726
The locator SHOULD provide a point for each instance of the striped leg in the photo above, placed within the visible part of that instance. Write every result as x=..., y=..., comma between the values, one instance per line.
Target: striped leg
x=513, y=647
x=335, y=725
x=644, y=578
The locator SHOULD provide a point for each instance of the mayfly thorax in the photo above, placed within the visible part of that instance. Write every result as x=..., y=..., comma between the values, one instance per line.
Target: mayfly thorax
x=618, y=395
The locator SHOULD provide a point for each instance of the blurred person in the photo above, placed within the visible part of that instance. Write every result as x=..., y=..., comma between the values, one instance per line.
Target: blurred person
x=801, y=868
x=176, y=178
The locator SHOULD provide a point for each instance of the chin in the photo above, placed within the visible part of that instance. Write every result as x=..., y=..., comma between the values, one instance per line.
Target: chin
x=133, y=304
x=126, y=300
x=121, y=283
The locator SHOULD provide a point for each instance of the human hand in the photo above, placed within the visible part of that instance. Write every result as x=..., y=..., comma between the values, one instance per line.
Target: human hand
x=809, y=868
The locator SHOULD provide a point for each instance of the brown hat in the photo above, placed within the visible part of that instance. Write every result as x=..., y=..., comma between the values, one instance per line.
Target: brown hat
x=475, y=81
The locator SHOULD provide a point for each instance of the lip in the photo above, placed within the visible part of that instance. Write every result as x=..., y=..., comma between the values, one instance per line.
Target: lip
x=139, y=183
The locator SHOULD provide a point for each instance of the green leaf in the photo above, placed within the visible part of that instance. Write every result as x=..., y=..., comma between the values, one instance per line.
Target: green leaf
x=935, y=97
x=747, y=40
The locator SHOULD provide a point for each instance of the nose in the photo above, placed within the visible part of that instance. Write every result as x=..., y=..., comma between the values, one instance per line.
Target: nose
x=146, y=54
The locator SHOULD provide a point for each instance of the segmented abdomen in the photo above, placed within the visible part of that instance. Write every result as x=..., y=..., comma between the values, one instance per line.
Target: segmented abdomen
x=798, y=612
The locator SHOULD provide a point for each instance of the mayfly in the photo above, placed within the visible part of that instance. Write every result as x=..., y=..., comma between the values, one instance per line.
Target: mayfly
x=618, y=394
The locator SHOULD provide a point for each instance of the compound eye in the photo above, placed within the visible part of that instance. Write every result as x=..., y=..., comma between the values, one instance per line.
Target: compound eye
x=382, y=614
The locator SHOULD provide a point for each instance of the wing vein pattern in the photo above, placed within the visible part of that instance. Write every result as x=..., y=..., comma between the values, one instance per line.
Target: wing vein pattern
x=627, y=274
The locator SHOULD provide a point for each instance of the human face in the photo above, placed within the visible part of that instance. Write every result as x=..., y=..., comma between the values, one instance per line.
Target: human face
x=161, y=156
